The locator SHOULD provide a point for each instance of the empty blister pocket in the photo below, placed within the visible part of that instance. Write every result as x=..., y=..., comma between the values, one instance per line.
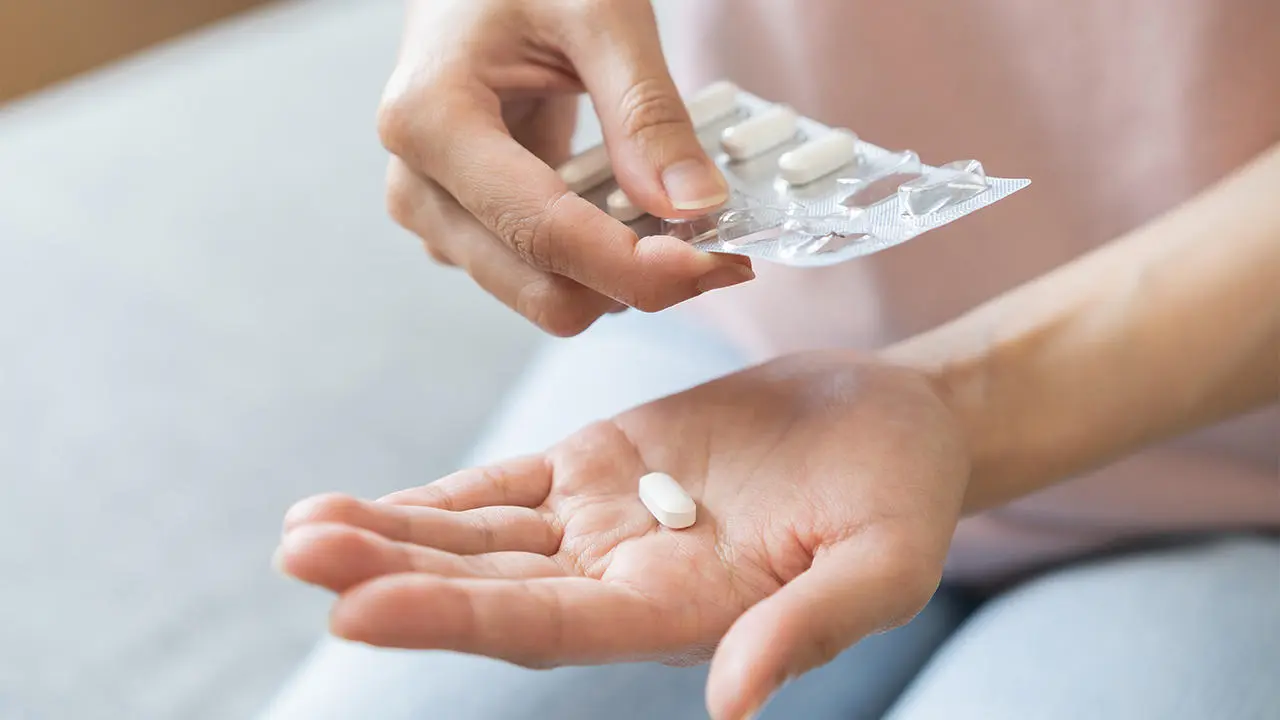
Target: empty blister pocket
x=802, y=194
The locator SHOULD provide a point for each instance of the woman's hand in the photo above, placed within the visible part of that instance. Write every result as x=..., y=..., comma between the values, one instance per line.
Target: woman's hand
x=483, y=101
x=828, y=489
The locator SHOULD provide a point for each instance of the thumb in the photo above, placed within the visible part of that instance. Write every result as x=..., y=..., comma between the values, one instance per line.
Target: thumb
x=656, y=156
x=852, y=589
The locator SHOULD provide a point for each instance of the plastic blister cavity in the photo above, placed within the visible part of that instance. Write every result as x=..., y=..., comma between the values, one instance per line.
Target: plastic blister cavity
x=692, y=230
x=803, y=194
x=742, y=227
x=806, y=235
x=943, y=187
x=877, y=180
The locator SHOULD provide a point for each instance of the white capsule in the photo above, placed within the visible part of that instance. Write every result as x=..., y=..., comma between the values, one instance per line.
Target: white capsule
x=621, y=207
x=586, y=170
x=759, y=133
x=818, y=157
x=713, y=102
x=668, y=502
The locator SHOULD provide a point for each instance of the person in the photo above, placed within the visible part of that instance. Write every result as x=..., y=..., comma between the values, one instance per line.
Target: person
x=1047, y=432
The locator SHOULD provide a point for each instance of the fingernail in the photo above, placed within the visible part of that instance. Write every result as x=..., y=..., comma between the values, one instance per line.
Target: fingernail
x=694, y=185
x=723, y=277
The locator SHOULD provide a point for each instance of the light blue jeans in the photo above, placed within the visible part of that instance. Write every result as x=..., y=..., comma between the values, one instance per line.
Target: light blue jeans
x=1190, y=632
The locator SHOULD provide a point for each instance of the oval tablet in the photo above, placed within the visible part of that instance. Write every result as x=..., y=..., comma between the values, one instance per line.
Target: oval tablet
x=713, y=102
x=759, y=133
x=668, y=502
x=621, y=207
x=586, y=170
x=818, y=157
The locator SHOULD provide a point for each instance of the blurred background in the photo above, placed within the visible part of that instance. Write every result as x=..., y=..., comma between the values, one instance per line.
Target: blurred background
x=206, y=316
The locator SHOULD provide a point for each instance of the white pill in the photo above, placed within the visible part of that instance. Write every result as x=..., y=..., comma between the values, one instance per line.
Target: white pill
x=713, y=102
x=818, y=157
x=759, y=133
x=668, y=502
x=621, y=207
x=586, y=170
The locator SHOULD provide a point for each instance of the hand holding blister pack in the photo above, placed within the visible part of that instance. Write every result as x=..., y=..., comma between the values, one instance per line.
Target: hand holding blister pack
x=801, y=193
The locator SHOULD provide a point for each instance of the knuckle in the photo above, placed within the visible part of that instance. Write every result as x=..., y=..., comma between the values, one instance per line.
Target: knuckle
x=339, y=542
x=530, y=662
x=412, y=109
x=518, y=228
x=339, y=509
x=646, y=301
x=647, y=297
x=498, y=478
x=395, y=121
x=915, y=573
x=920, y=587
x=531, y=234
x=550, y=307
x=435, y=496
x=336, y=508
x=405, y=201
x=402, y=196
x=485, y=530
x=649, y=109
x=437, y=255
x=826, y=648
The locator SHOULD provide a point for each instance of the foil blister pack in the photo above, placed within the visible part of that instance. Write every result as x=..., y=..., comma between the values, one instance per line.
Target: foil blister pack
x=801, y=193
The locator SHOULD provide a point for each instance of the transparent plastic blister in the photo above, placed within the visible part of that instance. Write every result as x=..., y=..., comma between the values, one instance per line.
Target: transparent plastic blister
x=802, y=194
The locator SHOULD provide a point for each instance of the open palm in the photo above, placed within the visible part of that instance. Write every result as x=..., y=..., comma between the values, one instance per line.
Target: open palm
x=827, y=492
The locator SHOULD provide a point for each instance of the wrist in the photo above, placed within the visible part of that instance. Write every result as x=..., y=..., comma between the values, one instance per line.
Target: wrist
x=963, y=371
x=963, y=385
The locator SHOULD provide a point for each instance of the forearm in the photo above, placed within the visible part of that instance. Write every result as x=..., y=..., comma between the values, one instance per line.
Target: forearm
x=1172, y=327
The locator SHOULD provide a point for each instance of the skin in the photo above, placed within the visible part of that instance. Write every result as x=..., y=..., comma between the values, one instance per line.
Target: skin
x=828, y=484
x=482, y=104
x=800, y=548
x=1170, y=328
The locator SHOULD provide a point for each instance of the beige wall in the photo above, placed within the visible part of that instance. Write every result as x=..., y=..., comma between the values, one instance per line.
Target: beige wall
x=42, y=41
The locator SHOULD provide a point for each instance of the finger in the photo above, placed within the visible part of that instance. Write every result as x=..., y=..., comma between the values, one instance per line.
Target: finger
x=458, y=140
x=339, y=557
x=555, y=303
x=470, y=532
x=851, y=590
x=655, y=152
x=409, y=206
x=547, y=129
x=537, y=623
x=523, y=482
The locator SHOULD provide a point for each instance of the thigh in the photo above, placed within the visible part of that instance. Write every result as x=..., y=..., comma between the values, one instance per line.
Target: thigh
x=1178, y=634
x=346, y=681
x=865, y=680
x=622, y=361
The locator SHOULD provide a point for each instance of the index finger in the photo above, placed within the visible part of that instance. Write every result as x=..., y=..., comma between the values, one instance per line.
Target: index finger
x=522, y=482
x=460, y=142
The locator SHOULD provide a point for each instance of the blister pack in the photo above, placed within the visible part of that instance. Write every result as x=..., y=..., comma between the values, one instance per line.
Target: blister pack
x=802, y=193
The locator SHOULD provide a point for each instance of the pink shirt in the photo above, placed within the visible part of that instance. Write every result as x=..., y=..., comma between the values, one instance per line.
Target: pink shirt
x=1116, y=109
